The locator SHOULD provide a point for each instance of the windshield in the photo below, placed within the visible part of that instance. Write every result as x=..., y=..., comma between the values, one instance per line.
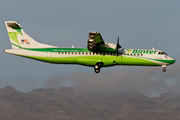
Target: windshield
x=162, y=53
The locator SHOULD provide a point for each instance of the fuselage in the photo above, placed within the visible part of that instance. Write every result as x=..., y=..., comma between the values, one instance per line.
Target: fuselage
x=83, y=56
x=97, y=54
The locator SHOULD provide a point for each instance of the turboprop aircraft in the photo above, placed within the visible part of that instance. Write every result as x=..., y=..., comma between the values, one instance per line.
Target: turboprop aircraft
x=97, y=54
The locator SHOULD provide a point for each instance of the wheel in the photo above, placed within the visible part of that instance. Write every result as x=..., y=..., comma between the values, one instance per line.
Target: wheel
x=96, y=67
x=164, y=69
x=99, y=64
x=97, y=70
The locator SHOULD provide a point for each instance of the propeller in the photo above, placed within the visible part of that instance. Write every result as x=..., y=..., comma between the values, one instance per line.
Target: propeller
x=117, y=46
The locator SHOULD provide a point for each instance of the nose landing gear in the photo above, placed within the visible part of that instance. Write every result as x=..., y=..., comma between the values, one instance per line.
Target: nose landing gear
x=164, y=68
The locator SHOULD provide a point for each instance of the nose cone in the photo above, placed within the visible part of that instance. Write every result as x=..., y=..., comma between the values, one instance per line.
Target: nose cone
x=171, y=60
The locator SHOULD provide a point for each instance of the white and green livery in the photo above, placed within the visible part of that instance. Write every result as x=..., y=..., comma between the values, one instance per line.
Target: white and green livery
x=97, y=54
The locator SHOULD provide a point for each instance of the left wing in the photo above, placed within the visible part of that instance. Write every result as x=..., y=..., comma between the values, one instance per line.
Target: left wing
x=96, y=43
x=94, y=40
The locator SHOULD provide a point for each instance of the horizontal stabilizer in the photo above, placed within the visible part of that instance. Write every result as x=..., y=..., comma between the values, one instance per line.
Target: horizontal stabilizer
x=14, y=25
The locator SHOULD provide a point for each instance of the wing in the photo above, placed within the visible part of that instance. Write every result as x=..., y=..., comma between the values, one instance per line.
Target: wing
x=94, y=41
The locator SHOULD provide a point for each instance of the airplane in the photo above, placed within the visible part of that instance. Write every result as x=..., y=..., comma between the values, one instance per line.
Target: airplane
x=98, y=53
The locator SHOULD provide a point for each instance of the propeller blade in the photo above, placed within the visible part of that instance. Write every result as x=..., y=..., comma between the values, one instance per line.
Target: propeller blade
x=117, y=46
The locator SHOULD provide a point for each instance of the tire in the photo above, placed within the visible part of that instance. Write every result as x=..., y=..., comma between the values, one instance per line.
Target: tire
x=97, y=70
x=96, y=67
x=164, y=69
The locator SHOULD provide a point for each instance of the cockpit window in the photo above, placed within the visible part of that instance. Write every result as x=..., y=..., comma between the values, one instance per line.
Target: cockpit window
x=162, y=53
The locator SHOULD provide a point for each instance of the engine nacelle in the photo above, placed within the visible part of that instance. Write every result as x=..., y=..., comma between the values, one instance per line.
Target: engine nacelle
x=110, y=45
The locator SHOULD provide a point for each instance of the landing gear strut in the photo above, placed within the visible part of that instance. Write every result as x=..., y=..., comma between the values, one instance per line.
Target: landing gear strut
x=164, y=68
x=97, y=67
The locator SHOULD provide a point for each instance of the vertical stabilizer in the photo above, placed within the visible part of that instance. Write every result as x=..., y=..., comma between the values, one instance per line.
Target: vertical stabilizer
x=19, y=39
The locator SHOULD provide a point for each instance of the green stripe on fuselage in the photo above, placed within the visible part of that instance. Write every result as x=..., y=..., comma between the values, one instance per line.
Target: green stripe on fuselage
x=164, y=61
x=137, y=60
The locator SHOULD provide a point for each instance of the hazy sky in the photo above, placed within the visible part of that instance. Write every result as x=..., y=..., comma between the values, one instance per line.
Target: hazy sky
x=139, y=23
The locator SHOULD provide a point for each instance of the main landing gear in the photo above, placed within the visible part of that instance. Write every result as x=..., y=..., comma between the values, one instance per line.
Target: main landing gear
x=97, y=67
x=164, y=68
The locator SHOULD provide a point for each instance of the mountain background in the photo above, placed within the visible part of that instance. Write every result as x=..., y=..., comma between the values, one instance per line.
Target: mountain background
x=69, y=103
x=76, y=92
